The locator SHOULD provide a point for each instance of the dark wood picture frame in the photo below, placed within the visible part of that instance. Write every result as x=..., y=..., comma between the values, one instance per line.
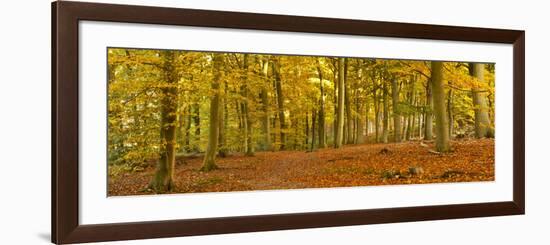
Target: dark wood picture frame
x=65, y=122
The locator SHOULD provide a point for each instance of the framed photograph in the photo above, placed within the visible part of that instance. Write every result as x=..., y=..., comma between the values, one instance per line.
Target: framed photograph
x=175, y=122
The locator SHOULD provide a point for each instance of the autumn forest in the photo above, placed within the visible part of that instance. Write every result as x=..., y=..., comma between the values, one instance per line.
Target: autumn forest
x=189, y=121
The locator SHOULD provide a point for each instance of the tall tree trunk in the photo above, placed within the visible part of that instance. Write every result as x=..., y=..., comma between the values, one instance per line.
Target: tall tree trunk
x=180, y=136
x=367, y=108
x=385, y=119
x=244, y=122
x=322, y=142
x=347, y=101
x=226, y=116
x=164, y=176
x=238, y=112
x=377, y=120
x=428, y=120
x=420, y=120
x=266, y=143
x=197, y=123
x=396, y=110
x=280, y=103
x=376, y=103
x=209, y=162
x=414, y=115
x=248, y=118
x=313, y=118
x=358, y=122
x=481, y=110
x=294, y=125
x=345, y=130
x=187, y=129
x=450, y=112
x=442, y=130
x=307, y=127
x=340, y=113
x=411, y=116
x=407, y=127
x=222, y=145
x=335, y=118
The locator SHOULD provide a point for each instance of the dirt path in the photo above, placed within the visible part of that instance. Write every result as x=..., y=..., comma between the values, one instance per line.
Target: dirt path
x=357, y=165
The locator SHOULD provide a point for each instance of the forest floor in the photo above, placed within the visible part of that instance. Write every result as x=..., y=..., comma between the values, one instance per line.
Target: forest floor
x=352, y=165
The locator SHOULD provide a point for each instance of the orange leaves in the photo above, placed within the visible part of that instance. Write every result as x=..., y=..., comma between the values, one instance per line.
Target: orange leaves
x=353, y=165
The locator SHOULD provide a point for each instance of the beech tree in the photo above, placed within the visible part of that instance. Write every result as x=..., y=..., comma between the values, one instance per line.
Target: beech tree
x=164, y=176
x=479, y=98
x=280, y=103
x=442, y=137
x=213, y=130
x=386, y=115
x=264, y=96
x=428, y=116
x=340, y=114
x=322, y=137
x=396, y=111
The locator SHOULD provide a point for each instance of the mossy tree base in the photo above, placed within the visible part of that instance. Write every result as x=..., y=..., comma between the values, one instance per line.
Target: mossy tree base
x=208, y=166
x=161, y=184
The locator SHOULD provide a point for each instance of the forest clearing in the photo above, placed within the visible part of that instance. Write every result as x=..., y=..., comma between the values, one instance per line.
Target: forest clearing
x=190, y=121
x=355, y=165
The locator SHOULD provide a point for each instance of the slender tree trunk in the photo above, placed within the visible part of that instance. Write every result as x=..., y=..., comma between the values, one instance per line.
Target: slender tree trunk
x=296, y=126
x=482, y=122
x=197, y=123
x=420, y=121
x=358, y=123
x=164, y=176
x=280, y=103
x=209, y=162
x=313, y=119
x=266, y=144
x=238, y=112
x=450, y=113
x=276, y=125
x=376, y=103
x=345, y=130
x=367, y=108
x=413, y=126
x=187, y=129
x=442, y=130
x=244, y=123
x=407, y=127
x=377, y=120
x=347, y=101
x=226, y=116
x=222, y=145
x=359, y=137
x=340, y=113
x=396, y=110
x=428, y=121
x=248, y=118
x=415, y=115
x=322, y=142
x=411, y=116
x=385, y=119
x=335, y=118
x=307, y=127
x=181, y=129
